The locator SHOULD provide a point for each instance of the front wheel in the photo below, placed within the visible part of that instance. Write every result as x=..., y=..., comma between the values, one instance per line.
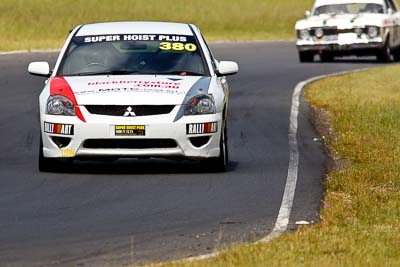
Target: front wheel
x=396, y=54
x=326, y=57
x=46, y=164
x=306, y=57
x=219, y=164
x=384, y=54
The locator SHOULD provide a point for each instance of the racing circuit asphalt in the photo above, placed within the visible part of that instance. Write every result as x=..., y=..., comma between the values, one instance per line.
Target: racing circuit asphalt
x=138, y=211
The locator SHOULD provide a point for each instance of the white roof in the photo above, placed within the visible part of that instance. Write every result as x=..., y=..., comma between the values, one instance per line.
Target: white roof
x=135, y=28
x=333, y=2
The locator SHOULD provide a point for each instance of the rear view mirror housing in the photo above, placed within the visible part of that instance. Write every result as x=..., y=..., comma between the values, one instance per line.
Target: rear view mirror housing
x=39, y=69
x=133, y=45
x=226, y=68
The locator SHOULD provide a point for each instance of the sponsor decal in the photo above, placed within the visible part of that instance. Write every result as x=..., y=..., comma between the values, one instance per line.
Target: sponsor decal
x=58, y=128
x=130, y=90
x=202, y=128
x=67, y=152
x=172, y=38
x=130, y=130
x=140, y=84
x=159, y=87
x=166, y=46
x=133, y=37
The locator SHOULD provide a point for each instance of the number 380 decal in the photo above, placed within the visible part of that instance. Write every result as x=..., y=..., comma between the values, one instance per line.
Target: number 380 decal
x=178, y=46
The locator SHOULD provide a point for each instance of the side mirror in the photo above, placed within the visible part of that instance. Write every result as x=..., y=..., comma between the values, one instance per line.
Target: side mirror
x=390, y=11
x=39, y=69
x=226, y=68
x=307, y=14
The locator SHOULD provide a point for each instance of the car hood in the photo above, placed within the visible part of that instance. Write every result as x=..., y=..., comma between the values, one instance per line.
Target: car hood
x=344, y=21
x=136, y=89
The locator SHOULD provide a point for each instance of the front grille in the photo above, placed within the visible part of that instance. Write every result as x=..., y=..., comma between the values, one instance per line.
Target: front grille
x=327, y=31
x=363, y=30
x=145, y=110
x=334, y=32
x=129, y=143
x=330, y=38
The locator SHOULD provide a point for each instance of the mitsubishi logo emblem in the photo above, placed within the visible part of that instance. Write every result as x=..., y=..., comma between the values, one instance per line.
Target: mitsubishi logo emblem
x=129, y=112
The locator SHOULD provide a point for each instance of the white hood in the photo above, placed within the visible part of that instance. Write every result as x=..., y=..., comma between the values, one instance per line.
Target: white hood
x=132, y=89
x=343, y=21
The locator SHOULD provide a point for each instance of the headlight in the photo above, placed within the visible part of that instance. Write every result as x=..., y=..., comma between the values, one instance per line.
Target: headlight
x=319, y=33
x=304, y=34
x=60, y=105
x=200, y=105
x=373, y=32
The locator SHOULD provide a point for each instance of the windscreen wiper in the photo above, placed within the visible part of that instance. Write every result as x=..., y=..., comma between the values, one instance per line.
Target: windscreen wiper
x=181, y=73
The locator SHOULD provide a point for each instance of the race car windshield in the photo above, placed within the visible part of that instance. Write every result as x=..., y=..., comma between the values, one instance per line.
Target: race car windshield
x=356, y=8
x=133, y=54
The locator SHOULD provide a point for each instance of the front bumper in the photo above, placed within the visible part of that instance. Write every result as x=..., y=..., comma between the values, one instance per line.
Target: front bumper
x=101, y=129
x=337, y=46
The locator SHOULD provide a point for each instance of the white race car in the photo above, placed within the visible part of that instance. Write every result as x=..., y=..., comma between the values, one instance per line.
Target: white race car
x=350, y=27
x=134, y=89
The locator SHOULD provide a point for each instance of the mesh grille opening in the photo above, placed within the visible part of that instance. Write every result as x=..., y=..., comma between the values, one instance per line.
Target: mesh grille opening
x=199, y=141
x=61, y=142
x=129, y=143
x=145, y=110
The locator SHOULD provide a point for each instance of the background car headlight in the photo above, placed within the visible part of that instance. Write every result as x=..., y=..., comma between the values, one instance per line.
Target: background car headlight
x=60, y=105
x=373, y=32
x=200, y=105
x=319, y=33
x=304, y=34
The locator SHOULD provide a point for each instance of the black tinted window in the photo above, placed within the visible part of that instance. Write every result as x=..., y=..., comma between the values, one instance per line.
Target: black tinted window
x=349, y=9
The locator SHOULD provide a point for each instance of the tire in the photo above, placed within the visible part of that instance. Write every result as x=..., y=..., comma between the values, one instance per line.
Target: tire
x=219, y=164
x=396, y=54
x=326, y=57
x=306, y=57
x=384, y=54
x=46, y=164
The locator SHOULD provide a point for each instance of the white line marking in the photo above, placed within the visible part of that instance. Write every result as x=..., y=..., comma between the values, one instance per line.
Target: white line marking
x=288, y=196
x=203, y=257
x=287, y=202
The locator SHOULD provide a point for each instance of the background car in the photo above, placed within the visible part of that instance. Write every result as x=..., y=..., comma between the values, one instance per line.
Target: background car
x=350, y=27
x=134, y=89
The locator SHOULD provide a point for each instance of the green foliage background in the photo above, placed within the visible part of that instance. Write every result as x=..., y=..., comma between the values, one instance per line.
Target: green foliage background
x=38, y=24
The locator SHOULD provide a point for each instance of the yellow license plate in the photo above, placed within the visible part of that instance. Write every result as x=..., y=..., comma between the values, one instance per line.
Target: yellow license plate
x=130, y=130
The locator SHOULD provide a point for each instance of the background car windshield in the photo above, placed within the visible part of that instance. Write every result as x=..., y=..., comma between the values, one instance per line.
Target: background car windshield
x=133, y=54
x=349, y=9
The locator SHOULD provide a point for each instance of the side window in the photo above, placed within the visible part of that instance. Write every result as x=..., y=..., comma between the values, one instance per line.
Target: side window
x=211, y=54
x=390, y=4
x=393, y=5
x=387, y=5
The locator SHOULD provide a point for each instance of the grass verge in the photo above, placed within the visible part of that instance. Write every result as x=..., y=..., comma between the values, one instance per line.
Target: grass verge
x=361, y=215
x=38, y=24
